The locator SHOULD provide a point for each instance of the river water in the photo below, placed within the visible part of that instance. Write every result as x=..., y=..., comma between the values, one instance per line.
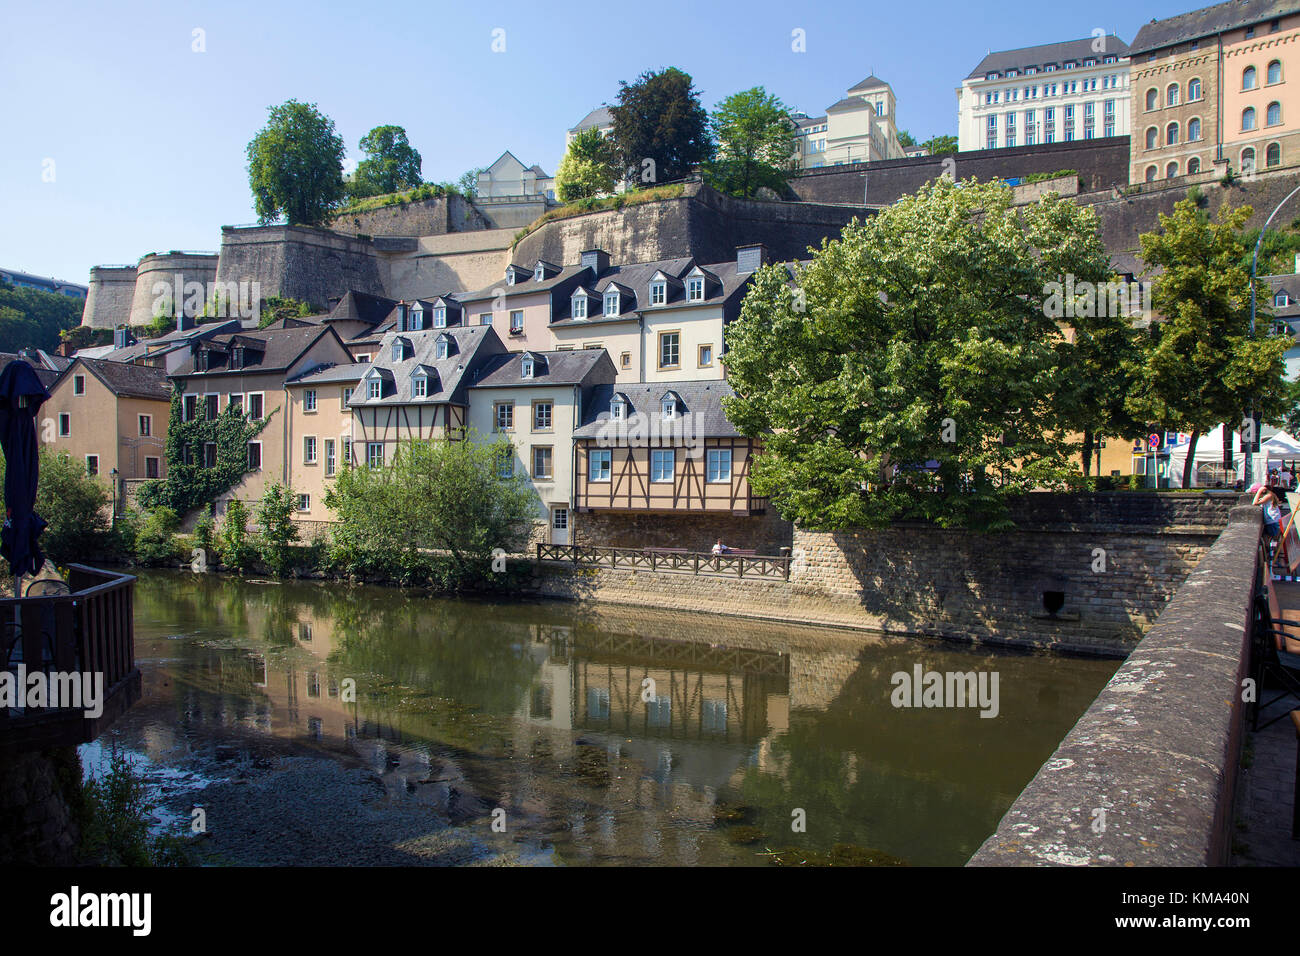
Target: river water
x=308, y=723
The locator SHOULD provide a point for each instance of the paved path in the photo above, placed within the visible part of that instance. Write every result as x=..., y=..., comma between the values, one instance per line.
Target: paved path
x=1266, y=793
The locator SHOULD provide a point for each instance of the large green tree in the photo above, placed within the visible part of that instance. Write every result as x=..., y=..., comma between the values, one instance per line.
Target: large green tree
x=588, y=167
x=295, y=165
x=661, y=132
x=756, y=143
x=34, y=318
x=912, y=369
x=391, y=164
x=1200, y=364
x=940, y=145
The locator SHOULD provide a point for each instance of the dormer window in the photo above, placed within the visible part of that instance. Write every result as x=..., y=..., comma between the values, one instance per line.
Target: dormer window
x=580, y=306
x=539, y=272
x=399, y=350
x=510, y=277
x=442, y=348
x=611, y=302
x=618, y=409
x=237, y=357
x=669, y=406
x=1281, y=299
x=695, y=289
x=440, y=317
x=417, y=318
x=526, y=366
x=658, y=292
x=375, y=388
x=421, y=386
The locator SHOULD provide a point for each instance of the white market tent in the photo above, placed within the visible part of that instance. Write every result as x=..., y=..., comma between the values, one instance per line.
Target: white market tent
x=1207, y=466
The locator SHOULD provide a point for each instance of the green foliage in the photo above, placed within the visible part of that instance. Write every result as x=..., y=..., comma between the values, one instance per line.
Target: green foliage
x=905, y=139
x=155, y=536
x=278, y=531
x=941, y=145
x=84, y=337
x=467, y=185
x=1043, y=177
x=1276, y=253
x=659, y=118
x=391, y=164
x=233, y=544
x=205, y=530
x=35, y=319
x=588, y=167
x=189, y=485
x=295, y=165
x=755, y=144
x=418, y=194
x=584, y=206
x=443, y=496
x=919, y=336
x=114, y=816
x=78, y=508
x=276, y=308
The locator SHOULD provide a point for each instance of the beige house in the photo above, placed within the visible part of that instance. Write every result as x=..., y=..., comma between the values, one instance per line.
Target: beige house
x=520, y=307
x=320, y=433
x=110, y=415
x=536, y=400
x=251, y=370
x=859, y=128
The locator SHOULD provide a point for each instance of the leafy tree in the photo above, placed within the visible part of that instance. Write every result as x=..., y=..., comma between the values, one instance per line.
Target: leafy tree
x=587, y=169
x=278, y=530
x=34, y=318
x=232, y=543
x=441, y=495
x=275, y=308
x=905, y=139
x=77, y=506
x=295, y=165
x=1200, y=365
x=84, y=337
x=912, y=369
x=661, y=132
x=756, y=143
x=940, y=145
x=467, y=185
x=155, y=537
x=391, y=164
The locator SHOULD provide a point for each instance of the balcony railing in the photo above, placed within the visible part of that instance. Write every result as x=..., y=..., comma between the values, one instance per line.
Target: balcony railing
x=668, y=559
x=67, y=637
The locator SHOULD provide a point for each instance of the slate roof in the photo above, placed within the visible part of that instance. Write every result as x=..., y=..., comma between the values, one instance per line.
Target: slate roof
x=1290, y=284
x=471, y=344
x=1053, y=53
x=1209, y=20
x=573, y=367
x=702, y=400
x=522, y=286
x=328, y=374
x=636, y=278
x=848, y=103
x=361, y=307
x=600, y=116
x=282, y=347
x=46, y=376
x=130, y=381
x=872, y=82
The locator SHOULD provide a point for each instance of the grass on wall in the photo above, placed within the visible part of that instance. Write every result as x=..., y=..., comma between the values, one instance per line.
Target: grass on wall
x=584, y=206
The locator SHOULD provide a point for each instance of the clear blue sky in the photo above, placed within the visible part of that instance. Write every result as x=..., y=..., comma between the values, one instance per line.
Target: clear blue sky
x=147, y=137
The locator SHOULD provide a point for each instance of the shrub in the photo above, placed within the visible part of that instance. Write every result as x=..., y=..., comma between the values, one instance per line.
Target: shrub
x=278, y=531
x=232, y=544
x=205, y=530
x=155, y=541
x=78, y=508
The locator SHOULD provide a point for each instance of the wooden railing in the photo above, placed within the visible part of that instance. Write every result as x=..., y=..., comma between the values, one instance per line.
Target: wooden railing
x=661, y=559
x=89, y=631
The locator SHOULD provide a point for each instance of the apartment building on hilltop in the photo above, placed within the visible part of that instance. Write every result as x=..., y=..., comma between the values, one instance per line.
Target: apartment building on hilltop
x=858, y=128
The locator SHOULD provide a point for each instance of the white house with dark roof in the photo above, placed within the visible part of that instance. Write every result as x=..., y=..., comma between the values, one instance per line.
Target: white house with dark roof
x=510, y=178
x=1051, y=93
x=599, y=119
x=536, y=400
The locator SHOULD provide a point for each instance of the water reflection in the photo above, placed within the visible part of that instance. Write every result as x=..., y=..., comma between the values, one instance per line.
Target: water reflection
x=611, y=736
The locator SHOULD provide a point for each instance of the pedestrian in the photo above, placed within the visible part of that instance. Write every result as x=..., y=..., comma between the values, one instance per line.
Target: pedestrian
x=1272, y=510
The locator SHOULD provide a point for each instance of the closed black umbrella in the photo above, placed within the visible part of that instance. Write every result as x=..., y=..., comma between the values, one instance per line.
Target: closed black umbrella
x=21, y=397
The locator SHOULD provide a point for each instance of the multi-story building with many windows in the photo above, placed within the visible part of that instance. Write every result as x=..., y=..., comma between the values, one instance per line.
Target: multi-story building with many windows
x=1211, y=87
x=1054, y=93
x=859, y=128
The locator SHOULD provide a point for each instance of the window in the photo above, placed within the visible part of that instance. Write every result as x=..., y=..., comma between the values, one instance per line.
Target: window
x=663, y=463
x=309, y=449
x=1248, y=118
x=363, y=356
x=1152, y=136
x=1248, y=78
x=304, y=504
x=517, y=322
x=210, y=454
x=440, y=317
x=331, y=463
x=146, y=426
x=1281, y=299
x=235, y=400
x=539, y=272
x=625, y=360
x=526, y=366
x=1193, y=130
x=1171, y=170
x=1273, y=155
x=151, y=467
x=1152, y=99
x=485, y=318
x=255, y=406
x=65, y=424
x=1193, y=165
x=1247, y=159
x=669, y=407
x=1171, y=134
x=92, y=464
x=309, y=400
x=254, y=456
x=374, y=454
x=579, y=306
x=441, y=349
x=421, y=386
x=658, y=293
x=1193, y=90
x=504, y=416
x=1171, y=95
x=669, y=350
x=210, y=406
x=417, y=318
x=695, y=289
x=706, y=356
x=1274, y=72
x=347, y=452
x=611, y=302
x=542, y=463
x=78, y=385
x=190, y=408
x=399, y=351
x=719, y=464
x=1273, y=115
x=1151, y=174
x=506, y=464
x=375, y=388
x=541, y=416
x=618, y=409
x=1250, y=32
x=598, y=464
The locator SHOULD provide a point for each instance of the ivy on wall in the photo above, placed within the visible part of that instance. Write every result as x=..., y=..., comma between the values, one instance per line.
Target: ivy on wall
x=191, y=481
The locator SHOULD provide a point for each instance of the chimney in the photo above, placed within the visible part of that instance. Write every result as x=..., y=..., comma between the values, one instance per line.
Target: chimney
x=597, y=260
x=401, y=316
x=750, y=258
x=1297, y=263
x=184, y=322
x=122, y=337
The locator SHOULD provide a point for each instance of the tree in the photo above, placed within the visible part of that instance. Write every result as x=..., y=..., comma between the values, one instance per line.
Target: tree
x=756, y=143
x=435, y=495
x=905, y=139
x=34, y=318
x=1200, y=366
x=232, y=542
x=467, y=185
x=77, y=507
x=912, y=369
x=295, y=165
x=391, y=164
x=940, y=145
x=278, y=531
x=587, y=169
x=661, y=132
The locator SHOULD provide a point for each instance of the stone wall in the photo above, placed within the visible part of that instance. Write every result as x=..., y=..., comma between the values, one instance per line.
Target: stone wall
x=1158, y=749
x=174, y=269
x=38, y=794
x=1100, y=163
x=299, y=262
x=427, y=217
x=109, y=296
x=455, y=262
x=767, y=534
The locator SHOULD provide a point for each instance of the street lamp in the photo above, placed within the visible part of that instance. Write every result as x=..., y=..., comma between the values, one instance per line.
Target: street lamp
x=1254, y=264
x=113, y=477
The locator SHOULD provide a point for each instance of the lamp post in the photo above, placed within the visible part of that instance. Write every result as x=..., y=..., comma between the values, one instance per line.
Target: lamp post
x=113, y=476
x=1254, y=265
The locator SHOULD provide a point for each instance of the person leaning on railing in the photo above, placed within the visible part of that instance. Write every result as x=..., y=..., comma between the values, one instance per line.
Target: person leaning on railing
x=1272, y=510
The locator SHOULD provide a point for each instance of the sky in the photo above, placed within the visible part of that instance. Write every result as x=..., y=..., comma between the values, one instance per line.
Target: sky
x=127, y=122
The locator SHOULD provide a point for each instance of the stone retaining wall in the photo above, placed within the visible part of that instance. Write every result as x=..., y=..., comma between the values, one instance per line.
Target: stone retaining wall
x=38, y=792
x=1146, y=776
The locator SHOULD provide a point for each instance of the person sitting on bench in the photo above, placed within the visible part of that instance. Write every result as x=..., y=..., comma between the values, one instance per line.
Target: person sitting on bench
x=720, y=548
